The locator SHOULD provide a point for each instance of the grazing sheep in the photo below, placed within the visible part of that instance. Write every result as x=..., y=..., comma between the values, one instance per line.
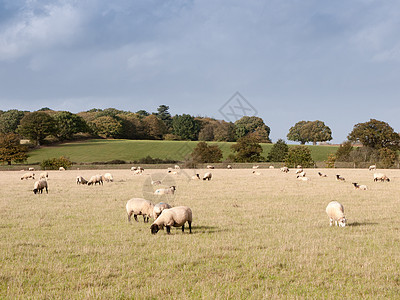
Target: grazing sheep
x=158, y=208
x=176, y=216
x=195, y=177
x=301, y=174
x=140, y=169
x=256, y=167
x=303, y=178
x=335, y=212
x=168, y=191
x=108, y=177
x=298, y=171
x=360, y=187
x=137, y=172
x=339, y=178
x=285, y=169
x=155, y=182
x=139, y=206
x=133, y=168
x=31, y=169
x=372, y=168
x=299, y=167
x=95, y=179
x=380, y=176
x=61, y=169
x=28, y=175
x=44, y=175
x=39, y=186
x=229, y=167
x=177, y=167
x=322, y=175
x=271, y=167
x=256, y=173
x=81, y=180
x=210, y=167
x=173, y=172
x=207, y=176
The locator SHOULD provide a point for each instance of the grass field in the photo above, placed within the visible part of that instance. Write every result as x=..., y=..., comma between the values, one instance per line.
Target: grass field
x=130, y=150
x=254, y=237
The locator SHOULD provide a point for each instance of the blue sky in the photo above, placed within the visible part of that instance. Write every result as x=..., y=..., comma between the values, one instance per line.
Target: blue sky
x=335, y=61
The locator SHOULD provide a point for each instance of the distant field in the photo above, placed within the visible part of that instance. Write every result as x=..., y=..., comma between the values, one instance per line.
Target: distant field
x=254, y=237
x=130, y=150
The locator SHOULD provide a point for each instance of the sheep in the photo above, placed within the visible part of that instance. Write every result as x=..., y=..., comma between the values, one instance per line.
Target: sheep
x=195, y=177
x=158, y=208
x=271, y=167
x=210, y=167
x=137, y=172
x=61, y=169
x=256, y=173
x=299, y=170
x=81, y=180
x=39, y=186
x=256, y=167
x=335, y=212
x=44, y=175
x=173, y=172
x=360, y=187
x=31, y=169
x=301, y=174
x=380, y=176
x=285, y=169
x=322, y=175
x=207, y=176
x=303, y=178
x=339, y=178
x=372, y=168
x=229, y=167
x=139, y=206
x=95, y=179
x=108, y=177
x=133, y=168
x=177, y=167
x=299, y=167
x=176, y=216
x=28, y=175
x=140, y=169
x=168, y=191
x=155, y=182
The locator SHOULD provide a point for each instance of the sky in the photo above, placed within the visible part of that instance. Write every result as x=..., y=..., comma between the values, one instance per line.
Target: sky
x=285, y=60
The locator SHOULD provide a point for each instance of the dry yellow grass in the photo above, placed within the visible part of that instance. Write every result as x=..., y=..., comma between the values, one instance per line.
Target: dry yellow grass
x=254, y=237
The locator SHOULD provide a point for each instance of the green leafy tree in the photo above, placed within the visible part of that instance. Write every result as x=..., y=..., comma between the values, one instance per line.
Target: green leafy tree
x=142, y=113
x=10, y=120
x=204, y=153
x=278, y=151
x=69, y=124
x=375, y=134
x=55, y=163
x=387, y=157
x=344, y=151
x=295, y=133
x=186, y=127
x=299, y=155
x=36, y=126
x=247, y=149
x=11, y=148
x=107, y=127
x=252, y=125
x=164, y=115
x=310, y=131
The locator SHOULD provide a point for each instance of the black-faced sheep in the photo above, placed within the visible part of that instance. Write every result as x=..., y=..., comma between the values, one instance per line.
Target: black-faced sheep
x=335, y=212
x=176, y=217
x=322, y=175
x=360, y=187
x=372, y=168
x=168, y=191
x=95, y=179
x=81, y=180
x=381, y=177
x=139, y=206
x=207, y=176
x=229, y=167
x=210, y=167
x=285, y=169
x=159, y=207
x=39, y=186
x=339, y=178
x=195, y=177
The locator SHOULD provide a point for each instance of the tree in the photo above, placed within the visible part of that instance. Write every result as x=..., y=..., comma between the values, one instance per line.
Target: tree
x=375, y=134
x=278, y=151
x=142, y=113
x=344, y=151
x=207, y=133
x=11, y=148
x=247, y=125
x=387, y=157
x=69, y=124
x=299, y=155
x=164, y=115
x=204, y=153
x=310, y=131
x=155, y=128
x=186, y=127
x=36, y=126
x=247, y=149
x=107, y=127
x=10, y=120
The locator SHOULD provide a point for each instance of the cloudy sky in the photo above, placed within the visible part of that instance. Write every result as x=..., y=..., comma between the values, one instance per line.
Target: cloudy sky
x=335, y=61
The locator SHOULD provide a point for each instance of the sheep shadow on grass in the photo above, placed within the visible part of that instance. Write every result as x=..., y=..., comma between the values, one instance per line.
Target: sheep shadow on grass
x=356, y=224
x=206, y=229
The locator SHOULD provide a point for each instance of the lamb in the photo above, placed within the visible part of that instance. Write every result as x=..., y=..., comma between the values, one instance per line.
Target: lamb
x=339, y=178
x=108, y=177
x=195, y=177
x=61, y=169
x=176, y=216
x=81, y=180
x=285, y=169
x=360, y=187
x=168, y=191
x=158, y=208
x=44, y=175
x=380, y=176
x=39, y=186
x=372, y=168
x=95, y=179
x=207, y=176
x=28, y=175
x=335, y=212
x=322, y=175
x=210, y=167
x=139, y=206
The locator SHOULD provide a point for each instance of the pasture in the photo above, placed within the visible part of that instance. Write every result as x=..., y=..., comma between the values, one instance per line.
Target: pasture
x=254, y=237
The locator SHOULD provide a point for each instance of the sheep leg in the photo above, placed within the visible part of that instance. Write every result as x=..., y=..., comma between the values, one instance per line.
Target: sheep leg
x=129, y=216
x=168, y=229
x=47, y=191
x=190, y=226
x=135, y=216
x=330, y=222
x=144, y=218
x=183, y=228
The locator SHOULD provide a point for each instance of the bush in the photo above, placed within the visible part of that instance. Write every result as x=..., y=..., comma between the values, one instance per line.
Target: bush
x=55, y=163
x=149, y=160
x=299, y=155
x=387, y=157
x=204, y=153
x=248, y=149
x=278, y=151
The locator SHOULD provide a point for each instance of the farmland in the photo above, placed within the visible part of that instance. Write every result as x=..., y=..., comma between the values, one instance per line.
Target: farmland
x=254, y=237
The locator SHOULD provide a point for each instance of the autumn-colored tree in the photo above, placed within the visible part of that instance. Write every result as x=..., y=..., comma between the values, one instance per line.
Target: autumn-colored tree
x=247, y=149
x=11, y=148
x=204, y=153
x=155, y=128
x=252, y=125
x=107, y=127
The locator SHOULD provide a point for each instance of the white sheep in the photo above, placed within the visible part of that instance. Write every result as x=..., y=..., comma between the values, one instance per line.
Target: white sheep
x=271, y=167
x=256, y=167
x=108, y=177
x=31, y=169
x=168, y=191
x=158, y=208
x=95, y=179
x=139, y=206
x=335, y=212
x=39, y=186
x=303, y=178
x=299, y=167
x=173, y=172
x=61, y=169
x=380, y=176
x=195, y=177
x=229, y=167
x=81, y=180
x=299, y=170
x=360, y=187
x=256, y=173
x=44, y=175
x=301, y=174
x=177, y=167
x=210, y=167
x=207, y=176
x=176, y=216
x=322, y=175
x=137, y=172
x=340, y=178
x=28, y=175
x=133, y=168
x=155, y=182
x=372, y=168
x=285, y=169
